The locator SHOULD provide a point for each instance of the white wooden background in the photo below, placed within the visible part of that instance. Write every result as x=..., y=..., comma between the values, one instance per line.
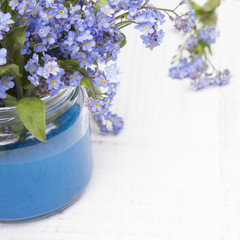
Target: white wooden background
x=174, y=172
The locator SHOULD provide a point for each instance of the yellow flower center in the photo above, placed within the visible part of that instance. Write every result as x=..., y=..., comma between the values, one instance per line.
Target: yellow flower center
x=5, y=81
x=61, y=11
x=103, y=20
x=48, y=36
x=87, y=44
x=84, y=60
x=74, y=78
x=73, y=47
x=53, y=81
x=101, y=81
x=96, y=104
x=51, y=68
x=15, y=2
x=106, y=11
x=21, y=21
x=24, y=7
x=146, y=27
x=31, y=69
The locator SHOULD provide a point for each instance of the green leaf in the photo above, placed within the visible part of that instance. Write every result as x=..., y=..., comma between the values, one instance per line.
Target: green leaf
x=28, y=85
x=10, y=69
x=71, y=64
x=86, y=83
x=211, y=5
x=15, y=42
x=9, y=101
x=101, y=3
x=124, y=41
x=32, y=113
x=209, y=49
x=201, y=48
x=195, y=6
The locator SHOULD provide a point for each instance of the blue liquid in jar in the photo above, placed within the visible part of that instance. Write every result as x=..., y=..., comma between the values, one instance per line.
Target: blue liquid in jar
x=37, y=179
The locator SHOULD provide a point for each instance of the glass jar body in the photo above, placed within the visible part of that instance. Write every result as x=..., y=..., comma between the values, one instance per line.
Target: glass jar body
x=38, y=179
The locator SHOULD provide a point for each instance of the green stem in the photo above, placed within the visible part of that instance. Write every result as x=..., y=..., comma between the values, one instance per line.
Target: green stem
x=124, y=26
x=123, y=22
x=3, y=4
x=145, y=3
x=162, y=9
x=19, y=88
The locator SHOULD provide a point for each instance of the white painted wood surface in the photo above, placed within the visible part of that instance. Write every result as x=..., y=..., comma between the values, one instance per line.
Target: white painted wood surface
x=174, y=172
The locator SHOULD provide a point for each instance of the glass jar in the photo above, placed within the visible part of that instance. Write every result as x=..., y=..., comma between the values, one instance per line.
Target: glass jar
x=38, y=179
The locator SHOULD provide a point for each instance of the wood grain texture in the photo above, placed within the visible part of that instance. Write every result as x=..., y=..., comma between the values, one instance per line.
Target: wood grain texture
x=174, y=172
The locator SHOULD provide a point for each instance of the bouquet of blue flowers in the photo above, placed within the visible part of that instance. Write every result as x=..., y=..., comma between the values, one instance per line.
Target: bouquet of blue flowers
x=46, y=46
x=193, y=59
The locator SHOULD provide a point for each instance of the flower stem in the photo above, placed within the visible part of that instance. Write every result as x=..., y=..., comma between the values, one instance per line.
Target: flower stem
x=19, y=88
x=162, y=9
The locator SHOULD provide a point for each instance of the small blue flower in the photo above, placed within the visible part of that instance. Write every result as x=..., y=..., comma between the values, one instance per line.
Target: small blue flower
x=52, y=67
x=70, y=38
x=104, y=21
x=88, y=45
x=13, y=4
x=42, y=30
x=117, y=123
x=112, y=71
x=85, y=35
x=61, y=12
x=97, y=105
x=100, y=81
x=146, y=28
x=75, y=79
x=44, y=72
x=103, y=128
x=107, y=10
x=5, y=84
x=33, y=79
x=54, y=83
x=31, y=66
x=39, y=48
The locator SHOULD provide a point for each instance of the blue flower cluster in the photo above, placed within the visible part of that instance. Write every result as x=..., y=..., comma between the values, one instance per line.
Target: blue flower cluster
x=148, y=22
x=185, y=24
x=197, y=66
x=206, y=35
x=64, y=42
x=195, y=69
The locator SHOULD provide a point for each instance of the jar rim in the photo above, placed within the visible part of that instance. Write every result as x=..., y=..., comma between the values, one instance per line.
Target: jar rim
x=46, y=99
